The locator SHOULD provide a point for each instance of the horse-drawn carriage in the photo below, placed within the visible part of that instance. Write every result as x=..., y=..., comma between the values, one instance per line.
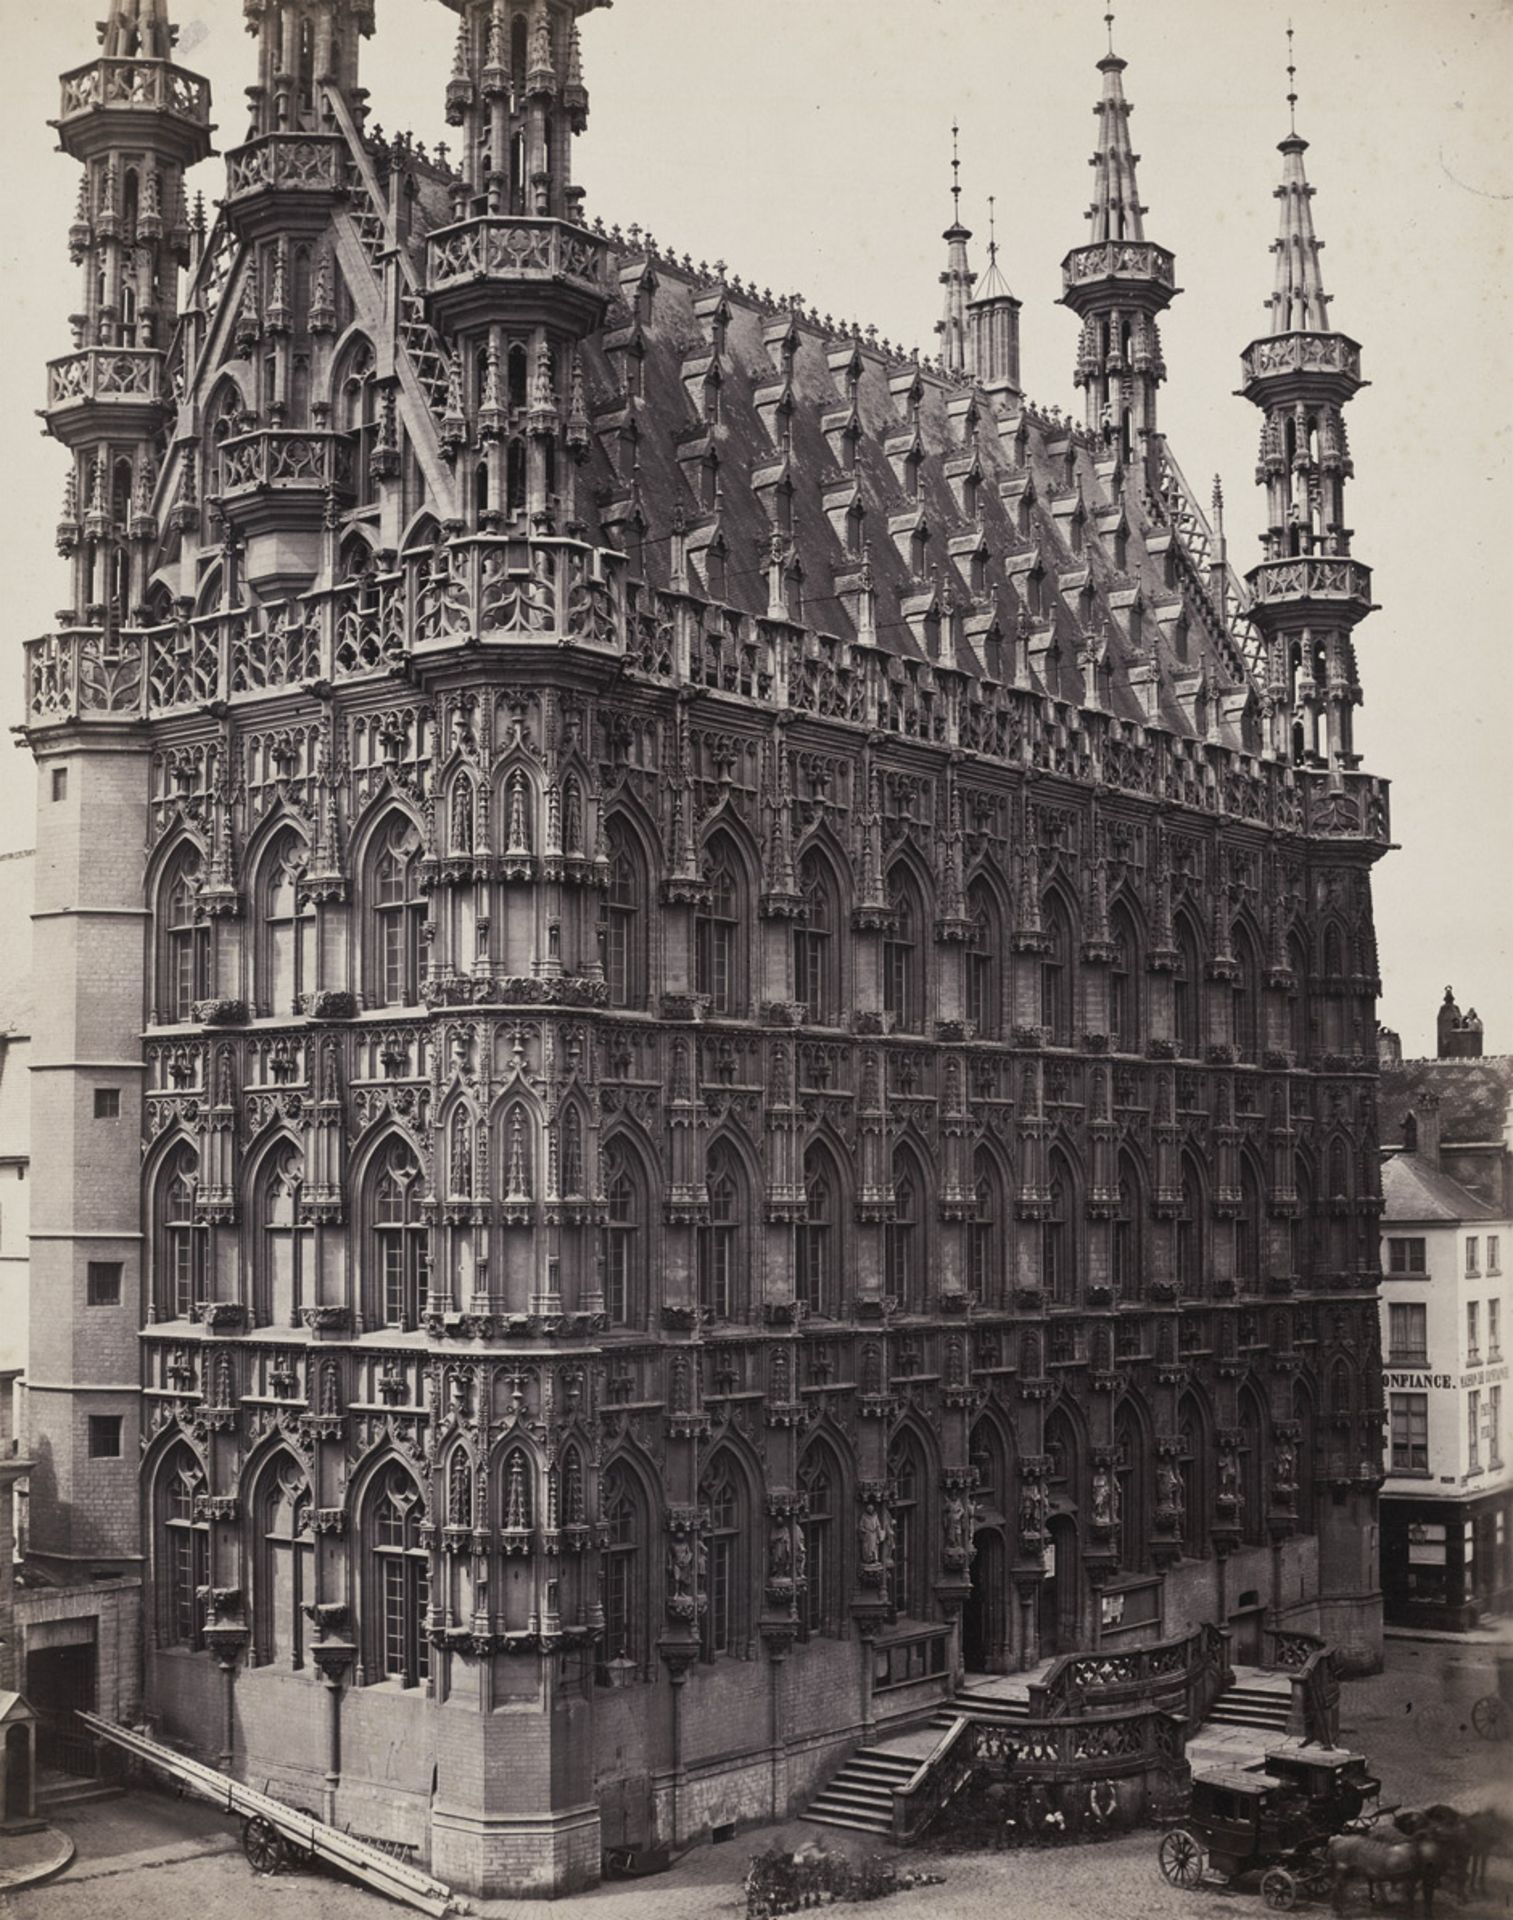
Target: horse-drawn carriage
x=1274, y=1822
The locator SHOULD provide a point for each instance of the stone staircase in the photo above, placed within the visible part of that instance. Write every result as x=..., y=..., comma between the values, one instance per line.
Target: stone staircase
x=1255, y=1702
x=1249, y=1719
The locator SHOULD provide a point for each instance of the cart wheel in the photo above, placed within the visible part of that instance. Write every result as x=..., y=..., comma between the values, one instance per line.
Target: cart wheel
x=263, y=1846
x=1490, y=1718
x=1279, y=1890
x=1181, y=1858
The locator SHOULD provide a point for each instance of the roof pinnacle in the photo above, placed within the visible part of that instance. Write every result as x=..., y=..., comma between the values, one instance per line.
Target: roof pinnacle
x=1292, y=83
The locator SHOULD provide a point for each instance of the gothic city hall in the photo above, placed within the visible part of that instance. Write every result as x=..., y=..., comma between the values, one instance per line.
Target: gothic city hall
x=709, y=1052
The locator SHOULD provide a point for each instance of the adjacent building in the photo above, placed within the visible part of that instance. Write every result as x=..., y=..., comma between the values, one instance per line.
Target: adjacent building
x=1447, y=1293
x=741, y=1069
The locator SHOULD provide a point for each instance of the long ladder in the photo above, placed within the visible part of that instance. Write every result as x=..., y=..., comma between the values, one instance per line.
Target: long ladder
x=375, y=1868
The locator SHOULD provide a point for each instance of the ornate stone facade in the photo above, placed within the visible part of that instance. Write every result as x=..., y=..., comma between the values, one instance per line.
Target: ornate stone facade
x=755, y=1076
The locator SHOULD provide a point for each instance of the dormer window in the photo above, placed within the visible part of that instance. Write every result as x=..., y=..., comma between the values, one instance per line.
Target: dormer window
x=913, y=461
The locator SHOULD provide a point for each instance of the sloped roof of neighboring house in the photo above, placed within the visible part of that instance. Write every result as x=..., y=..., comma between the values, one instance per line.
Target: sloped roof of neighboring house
x=1413, y=1188
x=1473, y=1096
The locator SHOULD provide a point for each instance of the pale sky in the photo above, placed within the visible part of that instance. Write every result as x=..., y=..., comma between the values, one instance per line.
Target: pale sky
x=809, y=147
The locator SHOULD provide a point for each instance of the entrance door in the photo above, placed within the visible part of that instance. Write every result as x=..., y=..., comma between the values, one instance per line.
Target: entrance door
x=1061, y=1590
x=18, y=1773
x=60, y=1682
x=984, y=1620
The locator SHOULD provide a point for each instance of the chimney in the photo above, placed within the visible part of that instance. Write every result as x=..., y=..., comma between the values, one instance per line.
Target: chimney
x=1421, y=1129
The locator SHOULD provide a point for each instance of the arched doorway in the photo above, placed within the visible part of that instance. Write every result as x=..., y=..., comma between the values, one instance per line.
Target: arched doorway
x=18, y=1773
x=984, y=1620
x=1061, y=1590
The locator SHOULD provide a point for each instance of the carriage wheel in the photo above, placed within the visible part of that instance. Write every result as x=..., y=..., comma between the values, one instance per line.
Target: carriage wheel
x=263, y=1846
x=1279, y=1890
x=1490, y=1718
x=1181, y=1858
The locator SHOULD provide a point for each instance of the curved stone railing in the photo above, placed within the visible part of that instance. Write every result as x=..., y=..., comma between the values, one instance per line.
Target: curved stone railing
x=301, y=162
x=1311, y=577
x=1106, y=259
x=1180, y=1676
x=274, y=457
x=1302, y=353
x=516, y=248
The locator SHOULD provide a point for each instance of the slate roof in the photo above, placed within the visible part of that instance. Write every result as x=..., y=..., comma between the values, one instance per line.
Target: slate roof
x=1413, y=1188
x=1474, y=1097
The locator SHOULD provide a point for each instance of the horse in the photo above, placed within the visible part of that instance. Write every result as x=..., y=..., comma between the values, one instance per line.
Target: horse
x=1487, y=1832
x=1404, y=1860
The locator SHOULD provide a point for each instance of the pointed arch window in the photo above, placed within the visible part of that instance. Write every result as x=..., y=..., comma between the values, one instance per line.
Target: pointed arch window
x=719, y=933
x=1187, y=987
x=726, y=1614
x=817, y=1236
x=625, y=921
x=397, y=915
x=1303, y=1226
x=815, y=946
x=287, y=925
x=399, y=1581
x=284, y=1269
x=622, y=1578
x=1058, y=1258
x=460, y=1156
x=904, y=1261
x=1124, y=984
x=1129, y=1233
x=1057, y=993
x=903, y=995
x=983, y=994
x=624, y=1238
x=1246, y=1024
x=183, y=1551
x=1297, y=999
x=819, y=1483
x=1190, y=1236
x=357, y=401
x=401, y=1257
x=286, y=1570
x=1130, y=1478
x=183, y=940
x=1194, y=1462
x=985, y=1235
x=1302, y=1413
x=909, y=1590
x=722, y=1289
x=1252, y=1469
x=182, y=1241
x=1250, y=1231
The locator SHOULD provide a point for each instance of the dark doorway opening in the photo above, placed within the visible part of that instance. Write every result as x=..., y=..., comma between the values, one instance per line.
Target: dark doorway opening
x=1061, y=1590
x=60, y=1682
x=984, y=1620
x=18, y=1773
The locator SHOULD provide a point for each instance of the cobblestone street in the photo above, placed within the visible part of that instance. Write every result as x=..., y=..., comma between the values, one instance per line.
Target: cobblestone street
x=151, y=1857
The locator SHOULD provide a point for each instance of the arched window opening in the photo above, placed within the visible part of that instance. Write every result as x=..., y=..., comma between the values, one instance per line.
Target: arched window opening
x=1130, y=1478
x=184, y=941
x=909, y=1589
x=982, y=951
x=399, y=1580
x=400, y=1238
x=357, y=402
x=182, y=1239
x=1187, y=988
x=624, y=1651
x=1058, y=1236
x=284, y=1273
x=1124, y=984
x=1302, y=1413
x=1252, y=1470
x=625, y=922
x=719, y=932
x=1056, y=982
x=902, y=996
x=286, y=1586
x=1246, y=1026
x=1190, y=1236
x=1194, y=1477
x=1129, y=1233
x=721, y=1252
x=183, y=1551
x=985, y=1236
x=624, y=1238
x=818, y=1236
x=1297, y=999
x=815, y=945
x=516, y=376
x=514, y=478
x=904, y=1259
x=820, y=1484
x=726, y=1610
x=1250, y=1231
x=287, y=969
x=397, y=915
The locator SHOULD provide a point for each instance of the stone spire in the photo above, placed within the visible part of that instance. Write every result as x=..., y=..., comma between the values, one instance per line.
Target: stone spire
x=958, y=279
x=301, y=44
x=1117, y=284
x=1309, y=593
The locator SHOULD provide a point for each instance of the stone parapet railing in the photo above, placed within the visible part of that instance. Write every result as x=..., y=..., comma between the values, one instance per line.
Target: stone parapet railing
x=517, y=248
x=1286, y=353
x=150, y=86
x=297, y=162
x=106, y=373
x=1111, y=259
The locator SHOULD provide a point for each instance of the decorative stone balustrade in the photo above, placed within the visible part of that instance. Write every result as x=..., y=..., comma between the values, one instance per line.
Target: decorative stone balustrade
x=146, y=86
x=538, y=262
x=1330, y=578
x=114, y=374
x=286, y=163
x=273, y=458
x=1289, y=353
x=1119, y=259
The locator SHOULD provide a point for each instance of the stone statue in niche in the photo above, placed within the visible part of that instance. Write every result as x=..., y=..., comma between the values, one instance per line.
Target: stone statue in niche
x=780, y=1376
x=1105, y=1498
x=680, y=1565
x=955, y=1519
x=1285, y=1468
x=330, y=1387
x=779, y=1551
x=875, y=1535
x=872, y=1368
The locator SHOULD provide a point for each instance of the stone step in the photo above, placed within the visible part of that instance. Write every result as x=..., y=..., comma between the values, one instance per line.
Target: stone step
x=883, y=1827
x=75, y=1793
